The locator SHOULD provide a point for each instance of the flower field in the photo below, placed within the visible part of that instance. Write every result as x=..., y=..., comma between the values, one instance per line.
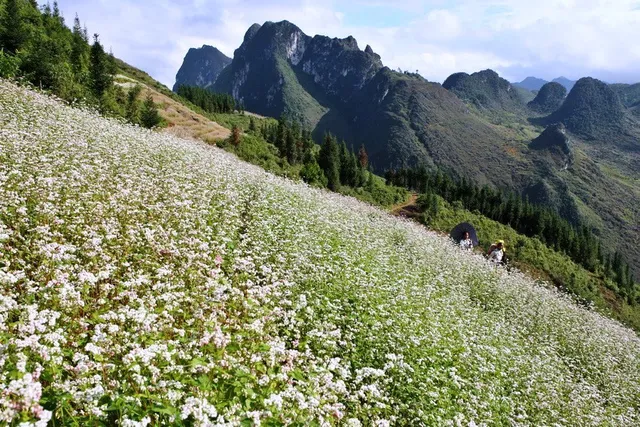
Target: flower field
x=148, y=280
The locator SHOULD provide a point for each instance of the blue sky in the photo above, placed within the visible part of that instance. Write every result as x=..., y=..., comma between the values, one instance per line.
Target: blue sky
x=517, y=38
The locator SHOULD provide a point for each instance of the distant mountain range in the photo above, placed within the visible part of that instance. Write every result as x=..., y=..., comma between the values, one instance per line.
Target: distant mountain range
x=478, y=126
x=535, y=84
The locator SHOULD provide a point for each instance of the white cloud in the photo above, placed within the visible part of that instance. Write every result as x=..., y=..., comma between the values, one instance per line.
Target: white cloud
x=516, y=38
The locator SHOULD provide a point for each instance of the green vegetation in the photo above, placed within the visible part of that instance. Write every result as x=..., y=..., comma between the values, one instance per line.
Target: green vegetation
x=539, y=260
x=37, y=47
x=146, y=281
x=577, y=242
x=287, y=149
x=209, y=101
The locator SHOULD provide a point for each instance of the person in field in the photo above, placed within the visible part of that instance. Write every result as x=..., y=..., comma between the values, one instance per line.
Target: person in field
x=466, y=243
x=496, y=252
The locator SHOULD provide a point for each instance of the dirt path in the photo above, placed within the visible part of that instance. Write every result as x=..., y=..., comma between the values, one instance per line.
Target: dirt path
x=408, y=209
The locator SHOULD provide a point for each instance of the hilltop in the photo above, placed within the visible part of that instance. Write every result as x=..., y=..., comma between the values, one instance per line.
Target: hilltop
x=201, y=67
x=549, y=98
x=484, y=89
x=535, y=84
x=172, y=282
x=592, y=109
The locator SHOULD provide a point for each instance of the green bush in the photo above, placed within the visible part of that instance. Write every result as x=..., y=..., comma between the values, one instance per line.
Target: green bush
x=9, y=65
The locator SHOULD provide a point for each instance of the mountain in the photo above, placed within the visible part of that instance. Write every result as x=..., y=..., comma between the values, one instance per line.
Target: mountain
x=568, y=84
x=549, y=98
x=484, y=89
x=475, y=125
x=554, y=139
x=592, y=109
x=629, y=94
x=280, y=70
x=531, y=83
x=201, y=67
x=535, y=83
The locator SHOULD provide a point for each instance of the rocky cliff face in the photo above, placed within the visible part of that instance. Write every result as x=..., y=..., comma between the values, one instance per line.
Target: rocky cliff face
x=279, y=69
x=201, y=67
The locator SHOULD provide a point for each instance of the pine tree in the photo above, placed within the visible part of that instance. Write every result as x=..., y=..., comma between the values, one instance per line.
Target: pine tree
x=149, y=116
x=79, y=53
x=363, y=157
x=13, y=31
x=252, y=124
x=133, y=108
x=291, y=147
x=101, y=79
x=329, y=161
x=56, y=13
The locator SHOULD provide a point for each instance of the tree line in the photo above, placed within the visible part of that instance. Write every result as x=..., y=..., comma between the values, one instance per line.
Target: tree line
x=210, y=102
x=332, y=166
x=576, y=241
x=36, y=46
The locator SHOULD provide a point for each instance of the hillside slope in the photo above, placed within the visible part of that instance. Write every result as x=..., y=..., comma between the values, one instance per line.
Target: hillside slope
x=480, y=129
x=150, y=279
x=181, y=119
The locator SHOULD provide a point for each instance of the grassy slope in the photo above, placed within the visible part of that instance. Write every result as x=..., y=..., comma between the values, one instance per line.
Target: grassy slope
x=153, y=267
x=536, y=259
x=601, y=186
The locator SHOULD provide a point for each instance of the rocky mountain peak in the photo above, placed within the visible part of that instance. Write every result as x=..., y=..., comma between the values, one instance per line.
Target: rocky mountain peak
x=485, y=89
x=549, y=98
x=592, y=109
x=252, y=31
x=201, y=67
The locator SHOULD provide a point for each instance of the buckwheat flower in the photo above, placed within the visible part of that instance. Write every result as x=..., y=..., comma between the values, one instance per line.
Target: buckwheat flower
x=87, y=277
x=274, y=400
x=7, y=278
x=92, y=348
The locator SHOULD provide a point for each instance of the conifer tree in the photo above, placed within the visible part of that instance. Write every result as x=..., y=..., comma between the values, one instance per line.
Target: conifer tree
x=79, y=53
x=13, y=31
x=363, y=157
x=149, y=116
x=329, y=161
x=291, y=147
x=101, y=79
x=133, y=108
x=235, y=136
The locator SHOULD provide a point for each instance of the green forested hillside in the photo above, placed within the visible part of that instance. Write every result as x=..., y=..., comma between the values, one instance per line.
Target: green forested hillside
x=36, y=46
